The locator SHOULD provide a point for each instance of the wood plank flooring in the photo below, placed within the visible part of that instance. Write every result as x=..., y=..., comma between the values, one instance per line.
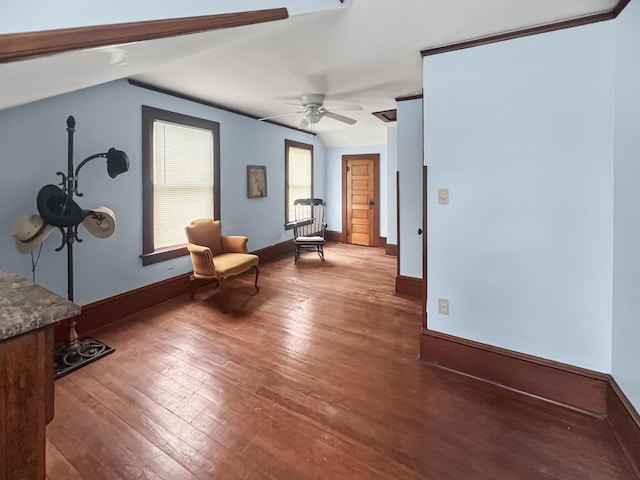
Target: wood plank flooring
x=315, y=377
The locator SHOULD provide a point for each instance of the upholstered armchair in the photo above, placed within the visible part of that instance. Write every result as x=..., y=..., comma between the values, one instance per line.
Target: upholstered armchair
x=216, y=257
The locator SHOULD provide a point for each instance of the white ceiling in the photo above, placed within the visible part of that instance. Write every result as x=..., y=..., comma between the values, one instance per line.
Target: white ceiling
x=367, y=54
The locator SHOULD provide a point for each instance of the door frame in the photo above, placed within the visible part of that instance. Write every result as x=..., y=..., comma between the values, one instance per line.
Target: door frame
x=425, y=246
x=377, y=240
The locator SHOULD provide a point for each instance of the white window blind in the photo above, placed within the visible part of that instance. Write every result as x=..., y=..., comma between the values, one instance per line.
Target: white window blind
x=182, y=180
x=299, y=177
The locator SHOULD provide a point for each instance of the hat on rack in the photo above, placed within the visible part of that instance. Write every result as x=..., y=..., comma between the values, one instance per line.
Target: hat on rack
x=30, y=231
x=117, y=162
x=57, y=209
x=100, y=221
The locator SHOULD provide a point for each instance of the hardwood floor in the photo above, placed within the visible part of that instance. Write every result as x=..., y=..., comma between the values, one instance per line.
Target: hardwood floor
x=315, y=377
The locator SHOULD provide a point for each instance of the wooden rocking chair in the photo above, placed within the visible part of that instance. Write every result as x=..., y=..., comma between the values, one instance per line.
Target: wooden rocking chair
x=309, y=228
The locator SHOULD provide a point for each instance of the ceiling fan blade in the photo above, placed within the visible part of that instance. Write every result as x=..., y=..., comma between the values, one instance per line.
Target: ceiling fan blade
x=303, y=123
x=340, y=118
x=280, y=115
x=344, y=108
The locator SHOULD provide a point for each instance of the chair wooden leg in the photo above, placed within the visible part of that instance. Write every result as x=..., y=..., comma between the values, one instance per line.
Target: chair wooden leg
x=297, y=254
x=257, y=268
x=192, y=279
x=197, y=283
x=321, y=252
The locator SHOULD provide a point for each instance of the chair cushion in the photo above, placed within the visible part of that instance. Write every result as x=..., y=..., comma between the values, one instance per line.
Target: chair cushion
x=314, y=239
x=228, y=264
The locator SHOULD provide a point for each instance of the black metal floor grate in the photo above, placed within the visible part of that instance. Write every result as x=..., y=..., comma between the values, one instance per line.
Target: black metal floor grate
x=90, y=350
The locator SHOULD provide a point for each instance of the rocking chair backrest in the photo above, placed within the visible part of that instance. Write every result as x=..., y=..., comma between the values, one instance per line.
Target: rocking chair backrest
x=309, y=217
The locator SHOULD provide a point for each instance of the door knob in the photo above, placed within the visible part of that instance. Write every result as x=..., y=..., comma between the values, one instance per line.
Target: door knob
x=371, y=203
x=419, y=231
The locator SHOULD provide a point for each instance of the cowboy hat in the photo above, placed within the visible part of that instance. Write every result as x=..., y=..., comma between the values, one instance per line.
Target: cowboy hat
x=56, y=208
x=30, y=231
x=117, y=162
x=100, y=221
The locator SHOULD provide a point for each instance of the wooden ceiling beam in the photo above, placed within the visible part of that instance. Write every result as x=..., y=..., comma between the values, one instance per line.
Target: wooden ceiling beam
x=18, y=46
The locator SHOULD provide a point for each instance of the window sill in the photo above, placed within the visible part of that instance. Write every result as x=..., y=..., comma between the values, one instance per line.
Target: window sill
x=164, y=254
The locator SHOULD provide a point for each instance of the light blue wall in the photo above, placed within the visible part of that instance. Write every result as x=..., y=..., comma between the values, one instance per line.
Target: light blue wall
x=409, y=114
x=334, y=184
x=33, y=143
x=392, y=200
x=626, y=244
x=521, y=132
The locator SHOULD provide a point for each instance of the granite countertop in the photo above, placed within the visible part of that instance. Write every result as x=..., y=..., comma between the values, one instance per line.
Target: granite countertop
x=25, y=306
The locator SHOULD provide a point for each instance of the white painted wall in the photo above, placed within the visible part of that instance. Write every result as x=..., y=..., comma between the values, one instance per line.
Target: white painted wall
x=626, y=244
x=334, y=184
x=409, y=141
x=35, y=15
x=392, y=200
x=521, y=132
x=34, y=146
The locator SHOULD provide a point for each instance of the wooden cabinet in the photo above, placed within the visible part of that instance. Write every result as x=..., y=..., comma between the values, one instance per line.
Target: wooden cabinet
x=28, y=314
x=26, y=390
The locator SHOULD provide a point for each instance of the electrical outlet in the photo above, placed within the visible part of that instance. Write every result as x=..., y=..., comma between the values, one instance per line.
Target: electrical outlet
x=443, y=306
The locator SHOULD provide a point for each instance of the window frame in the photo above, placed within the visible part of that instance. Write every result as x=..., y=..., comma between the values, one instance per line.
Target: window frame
x=288, y=144
x=150, y=254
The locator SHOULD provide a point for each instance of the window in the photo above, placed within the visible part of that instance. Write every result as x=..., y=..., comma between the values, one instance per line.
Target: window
x=180, y=179
x=298, y=168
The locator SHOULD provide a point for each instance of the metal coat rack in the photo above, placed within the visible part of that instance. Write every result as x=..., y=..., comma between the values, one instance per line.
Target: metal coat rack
x=75, y=352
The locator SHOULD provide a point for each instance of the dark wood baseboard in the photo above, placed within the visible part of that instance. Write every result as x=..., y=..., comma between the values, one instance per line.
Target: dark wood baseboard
x=391, y=249
x=100, y=313
x=334, y=236
x=103, y=312
x=577, y=388
x=625, y=423
x=269, y=254
x=574, y=387
x=409, y=287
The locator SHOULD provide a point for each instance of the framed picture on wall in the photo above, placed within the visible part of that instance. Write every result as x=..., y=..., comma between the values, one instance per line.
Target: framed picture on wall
x=256, y=181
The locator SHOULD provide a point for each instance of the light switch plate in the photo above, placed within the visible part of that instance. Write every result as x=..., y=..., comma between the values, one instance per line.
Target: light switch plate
x=443, y=196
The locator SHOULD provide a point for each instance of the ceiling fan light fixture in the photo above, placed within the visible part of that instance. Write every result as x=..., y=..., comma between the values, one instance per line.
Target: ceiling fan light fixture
x=313, y=117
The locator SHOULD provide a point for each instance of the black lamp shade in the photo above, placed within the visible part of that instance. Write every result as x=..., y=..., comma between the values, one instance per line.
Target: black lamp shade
x=117, y=162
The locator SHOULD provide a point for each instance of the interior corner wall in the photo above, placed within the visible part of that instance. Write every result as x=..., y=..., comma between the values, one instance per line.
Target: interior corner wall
x=33, y=147
x=626, y=251
x=334, y=184
x=521, y=133
x=409, y=140
x=392, y=200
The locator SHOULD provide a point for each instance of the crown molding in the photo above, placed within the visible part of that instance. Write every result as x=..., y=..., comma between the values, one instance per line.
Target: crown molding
x=551, y=27
x=409, y=97
x=200, y=101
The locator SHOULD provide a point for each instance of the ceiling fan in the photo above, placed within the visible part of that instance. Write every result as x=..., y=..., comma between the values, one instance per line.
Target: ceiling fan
x=313, y=110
